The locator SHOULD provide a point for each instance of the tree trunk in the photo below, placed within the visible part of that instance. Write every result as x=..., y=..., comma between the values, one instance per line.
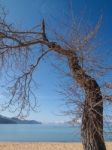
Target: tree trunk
x=92, y=119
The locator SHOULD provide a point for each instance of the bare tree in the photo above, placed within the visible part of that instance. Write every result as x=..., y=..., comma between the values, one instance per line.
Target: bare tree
x=76, y=50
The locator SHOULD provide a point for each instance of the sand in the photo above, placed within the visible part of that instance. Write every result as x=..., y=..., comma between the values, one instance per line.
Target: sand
x=44, y=146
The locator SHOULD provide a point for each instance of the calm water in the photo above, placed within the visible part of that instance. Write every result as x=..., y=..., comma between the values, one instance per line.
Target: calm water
x=41, y=133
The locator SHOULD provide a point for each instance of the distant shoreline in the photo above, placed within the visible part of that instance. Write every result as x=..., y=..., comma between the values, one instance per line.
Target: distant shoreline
x=13, y=120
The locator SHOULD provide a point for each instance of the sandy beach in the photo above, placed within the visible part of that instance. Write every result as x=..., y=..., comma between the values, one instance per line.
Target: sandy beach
x=44, y=146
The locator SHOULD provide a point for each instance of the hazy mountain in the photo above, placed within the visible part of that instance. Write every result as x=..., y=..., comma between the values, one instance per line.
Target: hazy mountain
x=6, y=120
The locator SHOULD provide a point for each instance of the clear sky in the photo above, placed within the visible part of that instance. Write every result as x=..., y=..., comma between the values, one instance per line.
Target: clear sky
x=28, y=13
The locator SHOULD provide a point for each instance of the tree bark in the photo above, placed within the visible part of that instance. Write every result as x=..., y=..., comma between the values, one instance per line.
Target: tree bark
x=92, y=119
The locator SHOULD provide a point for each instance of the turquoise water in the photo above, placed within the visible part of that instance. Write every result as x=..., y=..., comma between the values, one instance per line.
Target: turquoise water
x=41, y=133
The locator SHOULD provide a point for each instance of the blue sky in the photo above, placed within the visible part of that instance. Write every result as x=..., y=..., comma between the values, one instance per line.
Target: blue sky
x=28, y=13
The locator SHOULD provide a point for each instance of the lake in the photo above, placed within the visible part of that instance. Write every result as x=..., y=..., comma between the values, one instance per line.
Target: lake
x=42, y=133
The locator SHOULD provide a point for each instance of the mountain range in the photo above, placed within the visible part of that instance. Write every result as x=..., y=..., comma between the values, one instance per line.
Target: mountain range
x=6, y=120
